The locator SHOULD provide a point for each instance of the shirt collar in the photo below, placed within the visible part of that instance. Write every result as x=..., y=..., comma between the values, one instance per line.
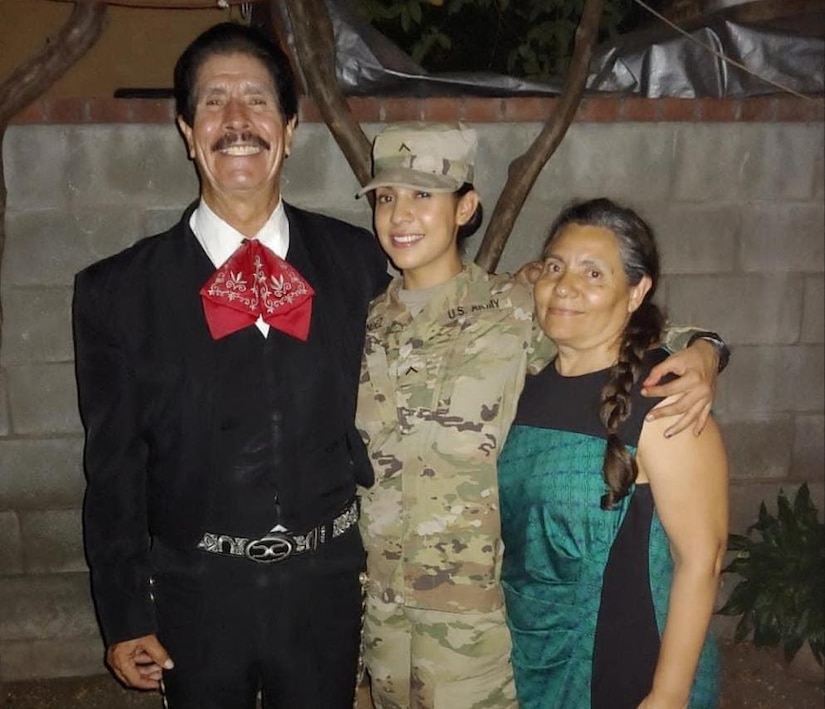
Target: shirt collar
x=219, y=240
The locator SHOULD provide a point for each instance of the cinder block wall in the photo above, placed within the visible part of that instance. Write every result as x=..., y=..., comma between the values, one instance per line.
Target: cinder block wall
x=735, y=190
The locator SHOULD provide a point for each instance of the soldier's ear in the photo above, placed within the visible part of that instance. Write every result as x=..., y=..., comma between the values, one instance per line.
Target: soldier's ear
x=466, y=207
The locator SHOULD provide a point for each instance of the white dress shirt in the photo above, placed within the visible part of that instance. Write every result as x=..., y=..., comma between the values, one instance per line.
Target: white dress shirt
x=220, y=241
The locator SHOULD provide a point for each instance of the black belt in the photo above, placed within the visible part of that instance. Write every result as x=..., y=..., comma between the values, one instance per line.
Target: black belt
x=279, y=544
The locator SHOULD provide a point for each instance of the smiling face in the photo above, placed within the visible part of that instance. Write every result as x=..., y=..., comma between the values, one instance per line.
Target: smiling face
x=238, y=137
x=417, y=230
x=583, y=297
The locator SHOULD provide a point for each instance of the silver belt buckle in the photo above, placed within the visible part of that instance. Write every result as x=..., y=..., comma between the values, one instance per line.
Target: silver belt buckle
x=270, y=548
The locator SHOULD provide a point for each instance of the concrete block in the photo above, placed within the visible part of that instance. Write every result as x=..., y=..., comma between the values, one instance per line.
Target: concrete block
x=709, y=161
x=745, y=498
x=783, y=237
x=22, y=660
x=764, y=309
x=47, y=248
x=759, y=448
x=772, y=380
x=37, y=325
x=744, y=159
x=530, y=231
x=796, y=147
x=156, y=221
x=498, y=145
x=813, y=310
x=356, y=217
x=621, y=161
x=43, y=399
x=5, y=425
x=35, y=160
x=11, y=550
x=694, y=238
x=53, y=541
x=108, y=230
x=140, y=165
x=44, y=607
x=319, y=173
x=41, y=474
x=570, y=175
x=809, y=447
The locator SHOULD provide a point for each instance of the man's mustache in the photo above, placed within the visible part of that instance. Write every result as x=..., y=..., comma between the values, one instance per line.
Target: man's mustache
x=229, y=139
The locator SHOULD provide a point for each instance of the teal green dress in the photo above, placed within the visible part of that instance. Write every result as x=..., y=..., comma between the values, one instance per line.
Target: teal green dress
x=586, y=589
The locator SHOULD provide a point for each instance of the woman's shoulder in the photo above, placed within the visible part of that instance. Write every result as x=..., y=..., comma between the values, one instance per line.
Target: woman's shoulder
x=385, y=298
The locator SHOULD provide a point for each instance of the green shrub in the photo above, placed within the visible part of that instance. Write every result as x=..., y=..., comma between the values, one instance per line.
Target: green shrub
x=524, y=38
x=782, y=589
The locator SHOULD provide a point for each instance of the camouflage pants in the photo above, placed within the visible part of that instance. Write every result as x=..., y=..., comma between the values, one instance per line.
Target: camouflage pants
x=424, y=659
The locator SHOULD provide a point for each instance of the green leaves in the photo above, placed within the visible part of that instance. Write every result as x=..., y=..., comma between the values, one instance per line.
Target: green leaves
x=782, y=588
x=529, y=38
x=432, y=37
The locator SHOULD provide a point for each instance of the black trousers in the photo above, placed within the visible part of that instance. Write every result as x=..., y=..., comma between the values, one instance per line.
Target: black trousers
x=234, y=627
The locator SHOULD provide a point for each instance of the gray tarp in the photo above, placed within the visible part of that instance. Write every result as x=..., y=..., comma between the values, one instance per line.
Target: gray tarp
x=652, y=63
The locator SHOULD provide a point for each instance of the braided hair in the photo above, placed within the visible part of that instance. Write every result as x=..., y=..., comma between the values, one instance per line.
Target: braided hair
x=637, y=249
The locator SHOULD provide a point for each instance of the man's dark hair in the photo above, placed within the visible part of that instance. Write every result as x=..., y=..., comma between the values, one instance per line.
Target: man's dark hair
x=232, y=38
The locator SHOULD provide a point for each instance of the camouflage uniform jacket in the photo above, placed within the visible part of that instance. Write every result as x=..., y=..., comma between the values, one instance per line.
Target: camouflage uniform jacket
x=438, y=393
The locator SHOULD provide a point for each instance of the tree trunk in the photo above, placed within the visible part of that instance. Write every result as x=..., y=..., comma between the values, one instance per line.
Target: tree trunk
x=33, y=77
x=315, y=52
x=525, y=169
x=315, y=49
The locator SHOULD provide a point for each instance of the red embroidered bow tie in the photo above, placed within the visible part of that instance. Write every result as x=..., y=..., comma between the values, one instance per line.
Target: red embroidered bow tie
x=254, y=282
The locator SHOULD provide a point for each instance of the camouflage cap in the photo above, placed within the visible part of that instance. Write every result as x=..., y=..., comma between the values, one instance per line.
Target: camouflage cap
x=438, y=157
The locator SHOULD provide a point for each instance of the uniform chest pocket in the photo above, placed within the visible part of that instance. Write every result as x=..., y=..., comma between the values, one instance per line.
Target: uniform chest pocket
x=420, y=370
x=481, y=372
x=485, y=367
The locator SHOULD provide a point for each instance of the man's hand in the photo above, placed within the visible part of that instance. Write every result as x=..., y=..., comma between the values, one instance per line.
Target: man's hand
x=691, y=393
x=140, y=662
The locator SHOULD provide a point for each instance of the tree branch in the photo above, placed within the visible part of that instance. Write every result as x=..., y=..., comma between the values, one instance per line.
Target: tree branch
x=525, y=169
x=315, y=49
x=33, y=77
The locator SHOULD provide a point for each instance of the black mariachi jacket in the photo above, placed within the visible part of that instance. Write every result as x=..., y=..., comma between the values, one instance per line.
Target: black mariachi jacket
x=146, y=368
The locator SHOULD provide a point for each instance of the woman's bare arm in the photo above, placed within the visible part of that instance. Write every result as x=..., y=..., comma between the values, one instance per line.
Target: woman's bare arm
x=688, y=476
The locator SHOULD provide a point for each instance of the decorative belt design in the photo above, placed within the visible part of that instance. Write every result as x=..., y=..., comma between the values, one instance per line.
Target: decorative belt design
x=279, y=544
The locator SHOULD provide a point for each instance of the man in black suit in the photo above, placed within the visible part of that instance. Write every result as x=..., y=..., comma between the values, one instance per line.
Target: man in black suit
x=221, y=454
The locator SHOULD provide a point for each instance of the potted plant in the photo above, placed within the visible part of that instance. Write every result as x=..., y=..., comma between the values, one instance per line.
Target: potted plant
x=781, y=592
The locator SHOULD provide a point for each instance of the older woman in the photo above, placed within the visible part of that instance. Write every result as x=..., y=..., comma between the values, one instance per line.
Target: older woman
x=613, y=532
